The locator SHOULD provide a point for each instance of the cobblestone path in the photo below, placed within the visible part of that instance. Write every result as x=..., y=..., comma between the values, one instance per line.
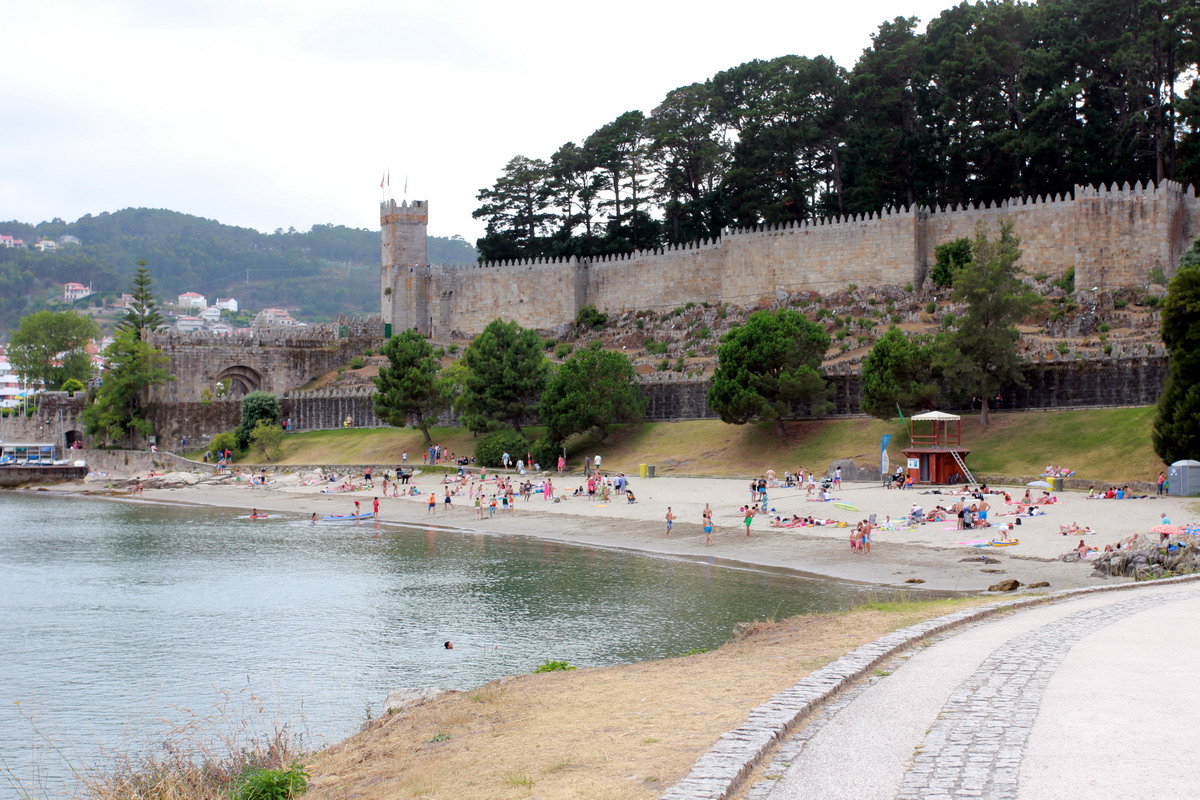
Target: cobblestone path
x=974, y=749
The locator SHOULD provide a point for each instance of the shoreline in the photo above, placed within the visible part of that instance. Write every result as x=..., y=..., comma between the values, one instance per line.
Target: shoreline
x=934, y=553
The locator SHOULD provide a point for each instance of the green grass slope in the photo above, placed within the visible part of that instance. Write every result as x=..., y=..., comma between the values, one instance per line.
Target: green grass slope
x=1108, y=445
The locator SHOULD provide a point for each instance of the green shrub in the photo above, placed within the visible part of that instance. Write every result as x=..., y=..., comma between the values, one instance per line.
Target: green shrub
x=701, y=332
x=844, y=346
x=1108, y=349
x=358, y=362
x=1041, y=277
x=930, y=307
x=272, y=784
x=1151, y=300
x=1104, y=327
x=563, y=350
x=948, y=321
x=872, y=301
x=723, y=310
x=1120, y=302
x=852, y=287
x=655, y=348
x=490, y=449
x=1156, y=275
x=664, y=365
x=368, y=352
x=73, y=385
x=590, y=317
x=949, y=259
x=689, y=306
x=224, y=441
x=552, y=666
x=908, y=287
x=545, y=452
x=641, y=324
x=1067, y=281
x=452, y=349
x=1063, y=348
x=680, y=365
x=896, y=318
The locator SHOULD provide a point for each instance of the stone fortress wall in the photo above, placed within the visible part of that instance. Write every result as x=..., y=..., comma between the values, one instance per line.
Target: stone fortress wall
x=1111, y=236
x=273, y=359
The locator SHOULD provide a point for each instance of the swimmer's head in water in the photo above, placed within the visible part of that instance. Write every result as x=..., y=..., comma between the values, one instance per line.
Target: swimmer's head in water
x=448, y=645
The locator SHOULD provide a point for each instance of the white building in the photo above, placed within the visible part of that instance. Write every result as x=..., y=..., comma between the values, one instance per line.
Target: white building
x=10, y=384
x=211, y=314
x=10, y=241
x=75, y=291
x=192, y=300
x=275, y=316
x=46, y=245
x=227, y=304
x=186, y=323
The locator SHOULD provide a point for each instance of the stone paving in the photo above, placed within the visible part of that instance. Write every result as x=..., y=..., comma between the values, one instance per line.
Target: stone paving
x=939, y=770
x=975, y=747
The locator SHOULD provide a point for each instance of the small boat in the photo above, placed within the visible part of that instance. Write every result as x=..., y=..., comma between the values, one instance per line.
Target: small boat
x=255, y=516
x=345, y=517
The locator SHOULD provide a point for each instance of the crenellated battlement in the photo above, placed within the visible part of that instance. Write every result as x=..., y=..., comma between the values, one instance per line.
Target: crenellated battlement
x=1109, y=235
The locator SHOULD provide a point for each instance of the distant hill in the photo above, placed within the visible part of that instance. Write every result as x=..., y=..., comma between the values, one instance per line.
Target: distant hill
x=329, y=270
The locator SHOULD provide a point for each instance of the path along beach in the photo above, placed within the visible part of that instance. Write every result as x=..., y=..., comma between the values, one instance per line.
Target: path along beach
x=932, y=552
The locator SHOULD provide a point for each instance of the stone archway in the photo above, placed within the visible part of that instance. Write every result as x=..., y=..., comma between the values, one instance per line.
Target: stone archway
x=242, y=380
x=71, y=437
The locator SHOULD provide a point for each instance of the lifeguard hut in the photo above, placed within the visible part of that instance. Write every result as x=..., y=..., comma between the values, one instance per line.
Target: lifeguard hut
x=935, y=453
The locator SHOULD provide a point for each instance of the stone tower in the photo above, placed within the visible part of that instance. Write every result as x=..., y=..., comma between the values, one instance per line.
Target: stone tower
x=404, y=270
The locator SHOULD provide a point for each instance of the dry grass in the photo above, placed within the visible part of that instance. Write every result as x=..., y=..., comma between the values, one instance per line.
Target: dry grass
x=1108, y=445
x=203, y=758
x=614, y=733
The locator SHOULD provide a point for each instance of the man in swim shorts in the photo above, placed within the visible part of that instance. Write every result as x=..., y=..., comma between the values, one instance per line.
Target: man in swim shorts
x=670, y=520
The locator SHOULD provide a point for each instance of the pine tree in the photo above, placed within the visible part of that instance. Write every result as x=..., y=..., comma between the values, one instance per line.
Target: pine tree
x=142, y=316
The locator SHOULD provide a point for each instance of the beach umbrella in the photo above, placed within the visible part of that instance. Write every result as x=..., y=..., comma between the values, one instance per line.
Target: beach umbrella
x=1169, y=530
x=1039, y=484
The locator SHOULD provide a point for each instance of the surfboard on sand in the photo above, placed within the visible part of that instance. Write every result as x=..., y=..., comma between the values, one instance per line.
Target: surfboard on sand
x=846, y=507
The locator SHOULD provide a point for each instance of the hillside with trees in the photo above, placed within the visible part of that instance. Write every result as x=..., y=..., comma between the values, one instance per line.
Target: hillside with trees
x=318, y=274
x=991, y=100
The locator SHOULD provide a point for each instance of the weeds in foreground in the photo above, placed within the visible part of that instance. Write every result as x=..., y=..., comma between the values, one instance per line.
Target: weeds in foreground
x=231, y=752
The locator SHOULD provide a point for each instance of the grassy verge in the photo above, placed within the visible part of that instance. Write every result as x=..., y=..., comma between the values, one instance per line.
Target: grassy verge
x=614, y=733
x=1110, y=445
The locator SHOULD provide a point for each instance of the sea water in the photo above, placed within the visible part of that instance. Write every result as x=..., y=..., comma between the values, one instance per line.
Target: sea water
x=120, y=621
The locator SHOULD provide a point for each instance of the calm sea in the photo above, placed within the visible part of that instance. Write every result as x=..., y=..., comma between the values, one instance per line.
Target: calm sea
x=120, y=621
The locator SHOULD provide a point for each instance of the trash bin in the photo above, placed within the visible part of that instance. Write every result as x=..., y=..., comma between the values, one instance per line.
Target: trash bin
x=649, y=470
x=1056, y=484
x=641, y=470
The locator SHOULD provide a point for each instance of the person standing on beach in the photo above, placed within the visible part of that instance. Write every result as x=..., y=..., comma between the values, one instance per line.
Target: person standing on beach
x=749, y=518
x=357, y=511
x=670, y=520
x=708, y=530
x=1162, y=479
x=375, y=506
x=432, y=501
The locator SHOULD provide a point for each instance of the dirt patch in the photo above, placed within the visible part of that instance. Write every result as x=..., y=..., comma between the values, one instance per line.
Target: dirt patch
x=618, y=732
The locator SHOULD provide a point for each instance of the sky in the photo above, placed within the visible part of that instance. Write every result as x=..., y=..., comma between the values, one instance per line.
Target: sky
x=288, y=113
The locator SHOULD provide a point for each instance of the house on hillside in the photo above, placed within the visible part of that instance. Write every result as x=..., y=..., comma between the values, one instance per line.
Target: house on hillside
x=186, y=323
x=67, y=238
x=75, y=291
x=10, y=241
x=46, y=245
x=275, y=317
x=192, y=300
x=211, y=314
x=227, y=304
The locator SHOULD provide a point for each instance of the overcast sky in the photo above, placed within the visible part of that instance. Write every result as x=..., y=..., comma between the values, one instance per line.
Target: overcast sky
x=285, y=113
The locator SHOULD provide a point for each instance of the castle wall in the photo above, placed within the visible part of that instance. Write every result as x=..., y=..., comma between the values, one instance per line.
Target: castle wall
x=1110, y=236
x=268, y=359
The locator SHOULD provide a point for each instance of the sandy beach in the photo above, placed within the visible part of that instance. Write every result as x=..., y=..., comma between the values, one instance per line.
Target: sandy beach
x=935, y=553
